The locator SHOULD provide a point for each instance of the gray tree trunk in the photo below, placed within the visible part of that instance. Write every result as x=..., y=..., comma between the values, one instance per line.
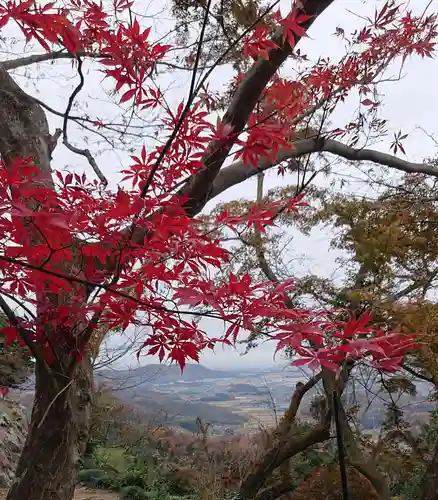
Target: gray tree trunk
x=58, y=434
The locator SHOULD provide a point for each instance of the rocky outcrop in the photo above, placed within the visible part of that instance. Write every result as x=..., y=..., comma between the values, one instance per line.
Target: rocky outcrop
x=13, y=425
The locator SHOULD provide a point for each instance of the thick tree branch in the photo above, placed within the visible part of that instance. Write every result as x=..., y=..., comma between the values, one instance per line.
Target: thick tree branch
x=238, y=172
x=20, y=62
x=286, y=442
x=339, y=149
x=287, y=448
x=300, y=391
x=276, y=491
x=404, y=292
x=419, y=375
x=198, y=189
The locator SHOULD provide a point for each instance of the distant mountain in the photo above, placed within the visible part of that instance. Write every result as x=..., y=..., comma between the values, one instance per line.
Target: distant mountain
x=162, y=374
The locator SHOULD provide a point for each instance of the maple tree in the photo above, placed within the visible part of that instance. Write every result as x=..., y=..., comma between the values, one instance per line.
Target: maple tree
x=79, y=257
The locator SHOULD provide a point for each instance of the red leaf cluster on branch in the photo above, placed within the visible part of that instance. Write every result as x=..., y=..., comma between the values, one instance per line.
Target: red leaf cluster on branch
x=75, y=240
x=330, y=344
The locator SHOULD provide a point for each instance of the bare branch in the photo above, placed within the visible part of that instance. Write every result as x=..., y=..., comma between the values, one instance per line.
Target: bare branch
x=51, y=56
x=89, y=157
x=198, y=190
x=275, y=491
x=82, y=152
x=238, y=172
x=33, y=348
x=19, y=303
x=419, y=375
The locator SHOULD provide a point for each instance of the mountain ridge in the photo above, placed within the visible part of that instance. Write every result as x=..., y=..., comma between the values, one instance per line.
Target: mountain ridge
x=161, y=373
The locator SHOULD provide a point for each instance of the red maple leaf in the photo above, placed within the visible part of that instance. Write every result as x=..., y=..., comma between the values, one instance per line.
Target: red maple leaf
x=292, y=28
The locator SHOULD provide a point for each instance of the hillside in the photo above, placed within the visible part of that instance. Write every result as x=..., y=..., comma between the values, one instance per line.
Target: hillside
x=171, y=408
x=148, y=405
x=153, y=374
x=162, y=374
x=139, y=389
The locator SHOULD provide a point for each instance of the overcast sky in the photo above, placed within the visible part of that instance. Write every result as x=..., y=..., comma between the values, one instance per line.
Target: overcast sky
x=407, y=104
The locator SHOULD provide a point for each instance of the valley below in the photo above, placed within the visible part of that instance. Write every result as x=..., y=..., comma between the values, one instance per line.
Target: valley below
x=236, y=401
x=232, y=401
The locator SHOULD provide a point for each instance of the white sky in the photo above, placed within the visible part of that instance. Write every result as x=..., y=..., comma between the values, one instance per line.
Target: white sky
x=407, y=104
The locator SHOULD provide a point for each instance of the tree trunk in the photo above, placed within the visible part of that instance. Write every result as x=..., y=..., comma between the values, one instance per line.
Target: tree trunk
x=283, y=449
x=57, y=437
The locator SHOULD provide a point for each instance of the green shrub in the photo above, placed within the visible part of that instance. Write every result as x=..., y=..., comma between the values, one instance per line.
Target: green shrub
x=409, y=489
x=134, y=493
x=135, y=472
x=176, y=486
x=97, y=478
x=133, y=478
x=90, y=474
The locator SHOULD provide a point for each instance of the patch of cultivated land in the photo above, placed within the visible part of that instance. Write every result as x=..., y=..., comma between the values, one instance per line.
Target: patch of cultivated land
x=83, y=494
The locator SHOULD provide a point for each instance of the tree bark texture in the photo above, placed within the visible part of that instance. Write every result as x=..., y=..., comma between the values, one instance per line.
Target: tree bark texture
x=57, y=437
x=283, y=449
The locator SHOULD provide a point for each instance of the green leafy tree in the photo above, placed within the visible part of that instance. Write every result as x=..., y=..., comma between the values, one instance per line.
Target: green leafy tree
x=389, y=255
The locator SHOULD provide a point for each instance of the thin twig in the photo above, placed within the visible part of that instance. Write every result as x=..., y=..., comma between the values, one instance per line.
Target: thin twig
x=52, y=403
x=190, y=98
x=103, y=286
x=82, y=152
x=33, y=348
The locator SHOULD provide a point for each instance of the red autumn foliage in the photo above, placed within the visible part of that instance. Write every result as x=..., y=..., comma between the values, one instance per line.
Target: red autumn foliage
x=136, y=246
